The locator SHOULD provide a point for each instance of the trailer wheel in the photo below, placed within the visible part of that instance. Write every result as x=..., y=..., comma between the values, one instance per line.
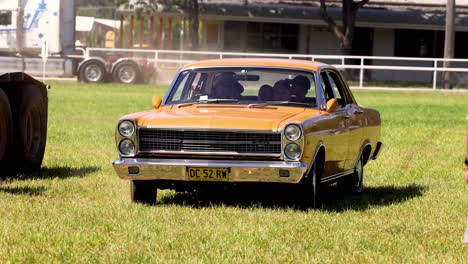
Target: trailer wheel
x=5, y=124
x=32, y=128
x=125, y=72
x=92, y=72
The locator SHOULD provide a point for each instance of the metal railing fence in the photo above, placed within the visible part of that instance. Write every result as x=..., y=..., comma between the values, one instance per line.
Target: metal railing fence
x=177, y=58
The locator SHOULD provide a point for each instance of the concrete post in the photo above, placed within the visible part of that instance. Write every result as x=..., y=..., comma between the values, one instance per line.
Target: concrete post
x=449, y=40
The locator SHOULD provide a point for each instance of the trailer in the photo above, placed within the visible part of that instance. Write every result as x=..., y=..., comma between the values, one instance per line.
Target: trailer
x=27, y=25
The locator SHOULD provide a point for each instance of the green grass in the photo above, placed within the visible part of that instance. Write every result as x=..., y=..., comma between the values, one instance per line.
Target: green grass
x=414, y=208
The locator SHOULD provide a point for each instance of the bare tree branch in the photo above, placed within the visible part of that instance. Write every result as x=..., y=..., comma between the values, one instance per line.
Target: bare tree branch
x=329, y=20
x=360, y=4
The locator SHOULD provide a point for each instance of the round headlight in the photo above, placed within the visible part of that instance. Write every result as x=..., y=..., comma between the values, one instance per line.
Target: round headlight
x=127, y=147
x=292, y=151
x=126, y=128
x=293, y=132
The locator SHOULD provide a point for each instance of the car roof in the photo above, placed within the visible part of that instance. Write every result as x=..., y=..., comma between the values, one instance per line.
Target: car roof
x=253, y=62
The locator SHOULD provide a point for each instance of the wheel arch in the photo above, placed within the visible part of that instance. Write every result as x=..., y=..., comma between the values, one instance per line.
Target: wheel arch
x=125, y=60
x=319, y=156
x=366, y=151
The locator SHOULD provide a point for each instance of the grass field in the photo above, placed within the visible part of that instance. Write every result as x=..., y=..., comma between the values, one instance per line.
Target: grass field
x=414, y=208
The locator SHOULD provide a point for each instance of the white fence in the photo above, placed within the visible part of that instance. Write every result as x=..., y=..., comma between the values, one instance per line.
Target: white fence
x=408, y=65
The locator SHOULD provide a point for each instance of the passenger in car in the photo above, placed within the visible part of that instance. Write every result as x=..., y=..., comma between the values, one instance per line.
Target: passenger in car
x=300, y=87
x=265, y=93
x=281, y=91
x=226, y=87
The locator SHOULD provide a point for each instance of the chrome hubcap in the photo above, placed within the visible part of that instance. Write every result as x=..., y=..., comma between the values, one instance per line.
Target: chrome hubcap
x=126, y=74
x=93, y=73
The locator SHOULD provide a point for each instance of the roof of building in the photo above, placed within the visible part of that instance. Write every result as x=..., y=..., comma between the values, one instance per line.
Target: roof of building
x=276, y=63
x=425, y=14
x=86, y=24
x=375, y=3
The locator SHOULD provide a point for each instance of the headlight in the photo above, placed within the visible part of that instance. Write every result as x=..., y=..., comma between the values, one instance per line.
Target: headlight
x=292, y=132
x=127, y=147
x=292, y=151
x=126, y=128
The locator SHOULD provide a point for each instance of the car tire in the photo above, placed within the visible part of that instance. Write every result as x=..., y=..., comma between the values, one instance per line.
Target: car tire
x=5, y=124
x=143, y=192
x=31, y=128
x=353, y=184
x=125, y=72
x=311, y=187
x=92, y=72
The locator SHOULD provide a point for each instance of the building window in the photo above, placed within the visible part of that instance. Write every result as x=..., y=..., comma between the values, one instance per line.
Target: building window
x=5, y=18
x=414, y=43
x=254, y=36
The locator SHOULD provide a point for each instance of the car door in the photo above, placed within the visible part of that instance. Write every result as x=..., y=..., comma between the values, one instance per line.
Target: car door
x=337, y=137
x=354, y=119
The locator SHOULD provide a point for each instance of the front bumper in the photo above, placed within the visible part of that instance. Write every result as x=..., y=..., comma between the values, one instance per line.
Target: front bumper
x=240, y=171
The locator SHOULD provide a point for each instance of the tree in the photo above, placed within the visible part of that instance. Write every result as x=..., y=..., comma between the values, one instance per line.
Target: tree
x=344, y=33
x=192, y=9
x=189, y=7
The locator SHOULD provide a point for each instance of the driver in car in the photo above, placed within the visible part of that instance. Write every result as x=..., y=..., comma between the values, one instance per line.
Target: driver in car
x=281, y=91
x=300, y=87
x=226, y=87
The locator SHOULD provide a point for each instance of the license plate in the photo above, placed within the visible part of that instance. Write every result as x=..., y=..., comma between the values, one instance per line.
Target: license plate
x=208, y=174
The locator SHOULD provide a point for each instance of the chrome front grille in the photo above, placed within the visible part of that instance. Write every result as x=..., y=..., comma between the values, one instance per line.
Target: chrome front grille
x=152, y=140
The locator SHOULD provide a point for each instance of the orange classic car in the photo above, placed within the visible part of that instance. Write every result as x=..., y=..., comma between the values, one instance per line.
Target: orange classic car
x=238, y=121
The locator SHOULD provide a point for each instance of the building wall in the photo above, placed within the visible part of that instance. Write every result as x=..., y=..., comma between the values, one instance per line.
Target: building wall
x=384, y=45
x=316, y=39
x=323, y=42
x=212, y=35
x=384, y=42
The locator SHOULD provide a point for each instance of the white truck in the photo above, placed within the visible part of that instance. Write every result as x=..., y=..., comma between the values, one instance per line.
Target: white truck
x=43, y=20
x=25, y=27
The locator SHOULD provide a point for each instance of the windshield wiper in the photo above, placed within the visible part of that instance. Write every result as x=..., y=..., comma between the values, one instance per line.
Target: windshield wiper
x=208, y=101
x=217, y=100
x=278, y=103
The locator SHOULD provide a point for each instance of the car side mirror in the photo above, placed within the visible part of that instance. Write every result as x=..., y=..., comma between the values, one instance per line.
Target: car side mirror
x=156, y=101
x=332, y=105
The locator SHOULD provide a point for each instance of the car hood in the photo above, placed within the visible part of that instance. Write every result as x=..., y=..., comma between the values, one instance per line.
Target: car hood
x=217, y=117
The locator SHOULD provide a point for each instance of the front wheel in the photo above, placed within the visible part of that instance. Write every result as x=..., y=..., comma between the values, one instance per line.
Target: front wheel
x=353, y=183
x=143, y=192
x=311, y=187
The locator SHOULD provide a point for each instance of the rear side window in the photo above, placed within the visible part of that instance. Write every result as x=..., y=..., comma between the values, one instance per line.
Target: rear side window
x=334, y=87
x=338, y=88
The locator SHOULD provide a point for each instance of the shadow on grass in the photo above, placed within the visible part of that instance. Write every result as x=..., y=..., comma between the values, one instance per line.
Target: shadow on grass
x=332, y=199
x=66, y=172
x=55, y=172
x=23, y=190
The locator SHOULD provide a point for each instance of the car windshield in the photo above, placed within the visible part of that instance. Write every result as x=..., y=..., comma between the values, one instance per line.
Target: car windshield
x=256, y=87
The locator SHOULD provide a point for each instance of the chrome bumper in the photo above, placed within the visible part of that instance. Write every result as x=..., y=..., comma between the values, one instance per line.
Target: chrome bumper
x=240, y=171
